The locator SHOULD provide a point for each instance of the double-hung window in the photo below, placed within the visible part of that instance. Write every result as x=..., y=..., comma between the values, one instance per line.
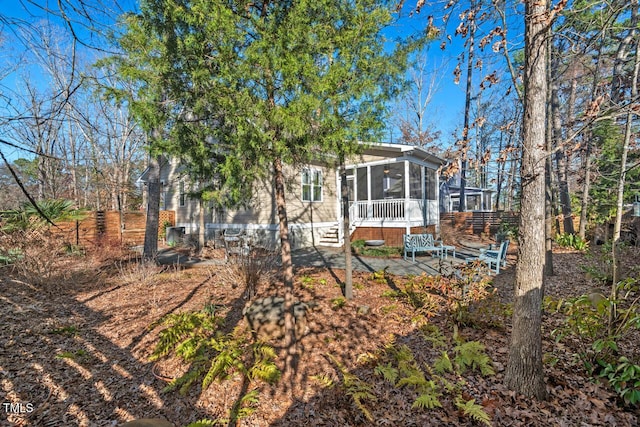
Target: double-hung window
x=182, y=195
x=311, y=185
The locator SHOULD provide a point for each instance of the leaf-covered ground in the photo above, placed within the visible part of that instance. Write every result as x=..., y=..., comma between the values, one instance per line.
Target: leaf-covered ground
x=75, y=351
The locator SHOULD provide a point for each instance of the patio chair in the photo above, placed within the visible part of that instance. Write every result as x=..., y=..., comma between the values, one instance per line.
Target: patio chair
x=235, y=242
x=493, y=257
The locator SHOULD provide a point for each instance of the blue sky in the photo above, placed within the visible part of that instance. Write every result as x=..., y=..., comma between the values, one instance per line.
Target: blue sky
x=446, y=111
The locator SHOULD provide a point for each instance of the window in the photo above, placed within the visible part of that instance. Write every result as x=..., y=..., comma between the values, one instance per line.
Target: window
x=163, y=196
x=182, y=194
x=473, y=202
x=311, y=185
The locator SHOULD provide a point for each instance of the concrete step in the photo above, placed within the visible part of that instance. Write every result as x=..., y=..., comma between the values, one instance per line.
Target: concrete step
x=329, y=244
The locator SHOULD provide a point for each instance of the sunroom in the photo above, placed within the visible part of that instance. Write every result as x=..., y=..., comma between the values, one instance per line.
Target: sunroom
x=393, y=187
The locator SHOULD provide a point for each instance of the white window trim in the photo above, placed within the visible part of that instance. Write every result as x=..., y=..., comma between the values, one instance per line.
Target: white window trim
x=312, y=185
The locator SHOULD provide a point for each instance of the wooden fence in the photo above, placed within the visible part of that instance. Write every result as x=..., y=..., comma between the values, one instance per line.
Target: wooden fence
x=489, y=222
x=110, y=226
x=480, y=222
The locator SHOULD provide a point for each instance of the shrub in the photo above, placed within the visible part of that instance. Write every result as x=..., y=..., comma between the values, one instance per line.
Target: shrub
x=249, y=271
x=597, y=324
x=574, y=241
x=38, y=258
x=338, y=302
x=507, y=231
x=624, y=377
x=27, y=217
x=429, y=294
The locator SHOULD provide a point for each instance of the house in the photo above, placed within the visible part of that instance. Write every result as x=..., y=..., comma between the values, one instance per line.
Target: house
x=477, y=198
x=393, y=190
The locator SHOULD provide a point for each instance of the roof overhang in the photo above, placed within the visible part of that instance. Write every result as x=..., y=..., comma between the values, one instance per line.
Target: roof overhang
x=385, y=149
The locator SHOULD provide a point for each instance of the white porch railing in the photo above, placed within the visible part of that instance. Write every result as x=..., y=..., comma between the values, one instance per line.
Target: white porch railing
x=386, y=210
x=390, y=212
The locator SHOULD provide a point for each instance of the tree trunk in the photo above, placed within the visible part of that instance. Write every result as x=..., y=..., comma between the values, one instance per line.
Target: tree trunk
x=621, y=182
x=587, y=164
x=524, y=372
x=346, y=231
x=202, y=224
x=467, y=112
x=150, y=250
x=618, y=84
x=513, y=167
x=548, y=169
x=548, y=212
x=561, y=159
x=287, y=271
x=584, y=204
x=500, y=176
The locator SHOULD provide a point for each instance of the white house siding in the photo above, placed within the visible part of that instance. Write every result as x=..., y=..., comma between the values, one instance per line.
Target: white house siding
x=307, y=220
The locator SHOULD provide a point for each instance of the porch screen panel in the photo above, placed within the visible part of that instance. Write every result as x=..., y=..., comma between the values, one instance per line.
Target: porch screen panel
x=415, y=181
x=392, y=181
x=430, y=183
x=377, y=182
x=362, y=184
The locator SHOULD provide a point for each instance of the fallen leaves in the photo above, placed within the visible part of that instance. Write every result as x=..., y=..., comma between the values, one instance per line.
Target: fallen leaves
x=108, y=326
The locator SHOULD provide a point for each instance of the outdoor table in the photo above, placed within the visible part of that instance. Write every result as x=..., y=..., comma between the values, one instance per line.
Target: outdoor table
x=446, y=249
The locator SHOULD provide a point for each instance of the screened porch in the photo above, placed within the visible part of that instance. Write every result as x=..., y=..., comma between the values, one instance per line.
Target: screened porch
x=395, y=192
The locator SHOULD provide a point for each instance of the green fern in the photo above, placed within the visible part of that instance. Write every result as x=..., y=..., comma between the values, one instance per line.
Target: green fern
x=185, y=382
x=220, y=368
x=324, y=380
x=433, y=334
x=471, y=355
x=264, y=367
x=185, y=334
x=354, y=387
x=473, y=410
x=427, y=400
x=404, y=358
x=388, y=372
x=246, y=405
x=360, y=391
x=265, y=371
x=416, y=380
x=443, y=364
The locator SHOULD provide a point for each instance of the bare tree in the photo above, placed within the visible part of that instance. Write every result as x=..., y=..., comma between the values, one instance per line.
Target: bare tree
x=414, y=109
x=623, y=169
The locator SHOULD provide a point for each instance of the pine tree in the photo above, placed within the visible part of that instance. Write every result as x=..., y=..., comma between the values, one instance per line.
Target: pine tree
x=277, y=83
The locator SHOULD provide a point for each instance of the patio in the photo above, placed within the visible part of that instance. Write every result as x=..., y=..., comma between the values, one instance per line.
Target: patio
x=334, y=258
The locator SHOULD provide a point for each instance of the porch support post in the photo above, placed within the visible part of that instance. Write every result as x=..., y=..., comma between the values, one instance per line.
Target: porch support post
x=339, y=206
x=437, y=174
x=369, y=206
x=407, y=213
x=423, y=187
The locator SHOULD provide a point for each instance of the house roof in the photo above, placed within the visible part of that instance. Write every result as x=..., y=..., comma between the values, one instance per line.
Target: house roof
x=386, y=149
